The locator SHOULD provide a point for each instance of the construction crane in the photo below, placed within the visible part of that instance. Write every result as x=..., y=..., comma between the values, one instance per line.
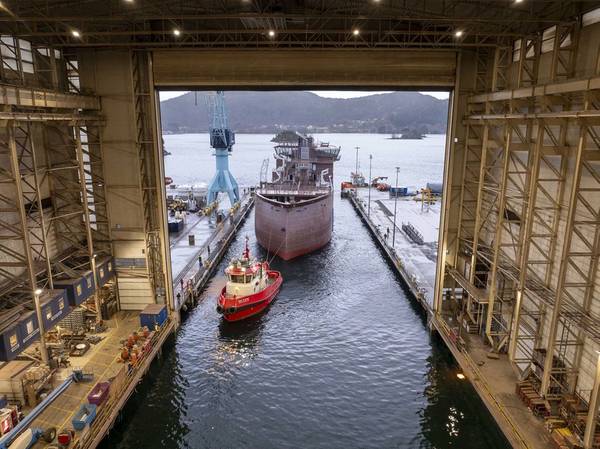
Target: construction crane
x=375, y=181
x=221, y=139
x=264, y=169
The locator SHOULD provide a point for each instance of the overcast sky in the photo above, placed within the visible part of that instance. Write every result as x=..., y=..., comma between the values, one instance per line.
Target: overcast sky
x=164, y=95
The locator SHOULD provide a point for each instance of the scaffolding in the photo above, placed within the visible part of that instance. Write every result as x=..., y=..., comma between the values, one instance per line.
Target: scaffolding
x=528, y=228
x=521, y=222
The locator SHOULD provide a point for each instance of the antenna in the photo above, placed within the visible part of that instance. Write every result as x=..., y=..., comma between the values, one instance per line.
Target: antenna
x=264, y=170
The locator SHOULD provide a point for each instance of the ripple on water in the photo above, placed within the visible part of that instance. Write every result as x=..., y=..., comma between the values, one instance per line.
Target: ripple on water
x=342, y=359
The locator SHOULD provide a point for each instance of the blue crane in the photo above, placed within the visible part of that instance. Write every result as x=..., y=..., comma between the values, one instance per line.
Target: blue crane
x=221, y=139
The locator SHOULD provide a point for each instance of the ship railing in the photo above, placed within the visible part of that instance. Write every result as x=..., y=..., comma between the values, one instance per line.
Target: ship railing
x=285, y=150
x=329, y=151
x=271, y=189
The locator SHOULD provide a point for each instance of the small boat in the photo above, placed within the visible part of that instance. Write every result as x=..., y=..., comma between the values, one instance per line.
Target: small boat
x=251, y=287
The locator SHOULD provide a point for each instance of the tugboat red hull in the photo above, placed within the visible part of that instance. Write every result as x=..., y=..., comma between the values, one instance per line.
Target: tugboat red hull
x=236, y=309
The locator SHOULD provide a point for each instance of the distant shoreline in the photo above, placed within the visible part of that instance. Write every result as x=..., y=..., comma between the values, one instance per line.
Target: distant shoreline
x=170, y=133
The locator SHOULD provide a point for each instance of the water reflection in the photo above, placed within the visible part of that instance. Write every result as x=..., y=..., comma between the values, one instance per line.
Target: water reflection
x=454, y=416
x=160, y=400
x=238, y=342
x=341, y=359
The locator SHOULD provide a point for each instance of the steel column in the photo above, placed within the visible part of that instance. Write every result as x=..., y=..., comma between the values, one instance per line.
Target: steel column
x=86, y=218
x=533, y=176
x=501, y=201
x=592, y=417
x=24, y=229
x=568, y=235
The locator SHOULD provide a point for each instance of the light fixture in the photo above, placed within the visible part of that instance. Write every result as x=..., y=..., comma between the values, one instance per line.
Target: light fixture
x=461, y=376
x=95, y=255
x=458, y=33
x=356, y=31
x=271, y=33
x=176, y=32
x=518, y=1
x=38, y=291
x=75, y=33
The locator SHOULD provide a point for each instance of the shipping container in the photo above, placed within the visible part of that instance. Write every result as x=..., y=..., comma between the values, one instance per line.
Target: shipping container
x=398, y=191
x=29, y=328
x=78, y=289
x=10, y=342
x=153, y=315
x=105, y=269
x=55, y=307
x=175, y=226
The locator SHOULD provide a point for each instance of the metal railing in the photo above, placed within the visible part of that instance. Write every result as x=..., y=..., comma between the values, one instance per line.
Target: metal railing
x=288, y=189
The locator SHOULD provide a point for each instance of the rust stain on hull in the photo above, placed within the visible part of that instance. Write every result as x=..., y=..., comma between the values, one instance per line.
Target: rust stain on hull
x=292, y=230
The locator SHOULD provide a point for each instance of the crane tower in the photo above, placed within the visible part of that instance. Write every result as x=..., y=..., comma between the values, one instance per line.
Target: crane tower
x=221, y=139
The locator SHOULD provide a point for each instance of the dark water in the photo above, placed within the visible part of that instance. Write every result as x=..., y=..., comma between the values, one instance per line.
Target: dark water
x=342, y=359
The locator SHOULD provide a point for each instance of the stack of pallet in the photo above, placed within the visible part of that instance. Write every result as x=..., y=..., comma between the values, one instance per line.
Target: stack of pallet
x=563, y=438
x=574, y=410
x=532, y=399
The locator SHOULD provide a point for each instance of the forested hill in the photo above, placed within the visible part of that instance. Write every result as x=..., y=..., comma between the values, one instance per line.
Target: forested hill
x=268, y=112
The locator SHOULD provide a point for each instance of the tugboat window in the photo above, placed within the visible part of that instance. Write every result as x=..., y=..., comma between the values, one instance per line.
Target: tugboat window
x=237, y=278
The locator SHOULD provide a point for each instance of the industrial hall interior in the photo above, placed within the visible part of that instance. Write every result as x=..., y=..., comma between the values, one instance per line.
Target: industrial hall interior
x=91, y=290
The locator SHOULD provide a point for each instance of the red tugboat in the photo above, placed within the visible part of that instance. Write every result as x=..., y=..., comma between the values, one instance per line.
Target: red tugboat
x=251, y=287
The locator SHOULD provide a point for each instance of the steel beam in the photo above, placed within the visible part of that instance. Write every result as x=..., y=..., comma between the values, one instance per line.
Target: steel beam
x=36, y=187
x=456, y=103
x=531, y=201
x=562, y=276
x=33, y=97
x=70, y=118
x=30, y=269
x=590, y=115
x=162, y=215
x=501, y=201
x=143, y=95
x=551, y=89
x=86, y=219
x=592, y=417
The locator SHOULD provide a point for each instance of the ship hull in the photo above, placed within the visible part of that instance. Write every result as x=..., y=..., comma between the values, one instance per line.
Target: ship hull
x=291, y=231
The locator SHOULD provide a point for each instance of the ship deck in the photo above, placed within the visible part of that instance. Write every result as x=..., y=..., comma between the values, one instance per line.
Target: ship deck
x=292, y=192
